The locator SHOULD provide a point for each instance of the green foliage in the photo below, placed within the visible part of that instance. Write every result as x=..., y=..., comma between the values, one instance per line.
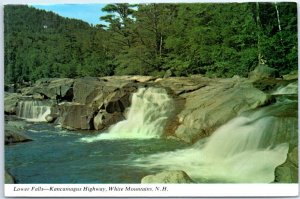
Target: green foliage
x=42, y=44
x=220, y=40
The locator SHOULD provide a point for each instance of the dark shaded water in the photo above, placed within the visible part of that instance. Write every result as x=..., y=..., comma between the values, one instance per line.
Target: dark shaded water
x=58, y=156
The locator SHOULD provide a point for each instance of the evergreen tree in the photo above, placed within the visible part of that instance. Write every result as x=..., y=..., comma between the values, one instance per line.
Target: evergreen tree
x=219, y=40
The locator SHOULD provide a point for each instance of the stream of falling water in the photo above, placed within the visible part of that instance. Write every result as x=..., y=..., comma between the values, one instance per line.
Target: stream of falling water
x=236, y=152
x=146, y=119
x=247, y=149
x=32, y=110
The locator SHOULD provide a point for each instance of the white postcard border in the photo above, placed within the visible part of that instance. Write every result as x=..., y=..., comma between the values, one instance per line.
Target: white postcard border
x=150, y=190
x=173, y=190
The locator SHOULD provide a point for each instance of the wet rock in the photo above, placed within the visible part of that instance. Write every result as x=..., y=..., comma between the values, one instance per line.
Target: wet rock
x=10, y=103
x=15, y=124
x=119, y=100
x=170, y=177
x=9, y=179
x=213, y=105
x=51, y=118
x=76, y=116
x=94, y=94
x=104, y=119
x=288, y=171
x=13, y=137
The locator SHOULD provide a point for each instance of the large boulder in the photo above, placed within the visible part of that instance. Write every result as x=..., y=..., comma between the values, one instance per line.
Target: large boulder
x=14, y=124
x=170, y=177
x=286, y=130
x=51, y=118
x=13, y=137
x=97, y=91
x=119, y=100
x=104, y=119
x=9, y=179
x=10, y=103
x=88, y=88
x=97, y=103
x=53, y=88
x=76, y=116
x=288, y=171
x=263, y=71
x=212, y=105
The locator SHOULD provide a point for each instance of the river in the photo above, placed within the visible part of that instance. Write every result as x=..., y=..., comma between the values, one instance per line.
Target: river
x=248, y=148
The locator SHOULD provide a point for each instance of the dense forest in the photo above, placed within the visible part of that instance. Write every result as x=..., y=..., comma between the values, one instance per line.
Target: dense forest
x=219, y=40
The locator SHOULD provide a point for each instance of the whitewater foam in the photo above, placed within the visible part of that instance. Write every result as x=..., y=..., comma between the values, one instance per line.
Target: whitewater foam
x=147, y=117
x=291, y=88
x=238, y=152
x=33, y=111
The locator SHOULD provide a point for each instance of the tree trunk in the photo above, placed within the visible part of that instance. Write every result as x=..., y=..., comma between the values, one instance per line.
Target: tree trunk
x=259, y=32
x=160, y=46
x=278, y=17
x=278, y=20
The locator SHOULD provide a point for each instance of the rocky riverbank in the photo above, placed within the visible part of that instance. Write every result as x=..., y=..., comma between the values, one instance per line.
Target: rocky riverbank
x=201, y=104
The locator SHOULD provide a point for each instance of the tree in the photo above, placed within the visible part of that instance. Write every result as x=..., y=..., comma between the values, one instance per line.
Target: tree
x=219, y=40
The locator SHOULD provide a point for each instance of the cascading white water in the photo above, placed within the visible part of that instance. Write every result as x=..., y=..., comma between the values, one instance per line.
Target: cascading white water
x=239, y=151
x=147, y=117
x=31, y=110
x=291, y=88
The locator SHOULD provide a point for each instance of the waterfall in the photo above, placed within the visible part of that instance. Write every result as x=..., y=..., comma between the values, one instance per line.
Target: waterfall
x=32, y=110
x=291, y=88
x=147, y=117
x=247, y=149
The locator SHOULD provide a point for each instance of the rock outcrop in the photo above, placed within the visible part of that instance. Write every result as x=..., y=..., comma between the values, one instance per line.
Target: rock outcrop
x=51, y=118
x=9, y=179
x=288, y=171
x=97, y=103
x=13, y=137
x=51, y=88
x=10, y=103
x=87, y=90
x=170, y=177
x=104, y=119
x=76, y=116
x=210, y=103
x=202, y=104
